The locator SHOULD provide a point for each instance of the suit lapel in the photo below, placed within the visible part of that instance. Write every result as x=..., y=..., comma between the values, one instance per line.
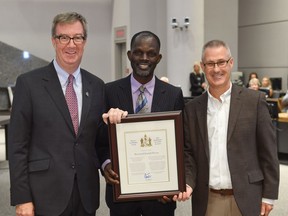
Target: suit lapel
x=125, y=95
x=235, y=107
x=201, y=115
x=54, y=89
x=158, y=96
x=86, y=99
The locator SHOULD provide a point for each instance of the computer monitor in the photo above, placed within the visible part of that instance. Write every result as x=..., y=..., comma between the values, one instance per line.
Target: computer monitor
x=266, y=91
x=273, y=108
x=276, y=83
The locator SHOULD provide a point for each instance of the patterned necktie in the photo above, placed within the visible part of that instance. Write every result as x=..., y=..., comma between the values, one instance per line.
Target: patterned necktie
x=141, y=103
x=71, y=100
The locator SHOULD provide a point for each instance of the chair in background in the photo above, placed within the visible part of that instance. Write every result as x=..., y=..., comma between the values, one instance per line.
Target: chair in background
x=5, y=101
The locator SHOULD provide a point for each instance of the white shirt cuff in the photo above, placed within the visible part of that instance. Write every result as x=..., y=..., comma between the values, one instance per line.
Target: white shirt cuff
x=268, y=201
x=105, y=163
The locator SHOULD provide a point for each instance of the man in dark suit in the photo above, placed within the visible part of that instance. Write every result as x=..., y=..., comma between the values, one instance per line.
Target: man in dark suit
x=54, y=144
x=144, y=57
x=230, y=144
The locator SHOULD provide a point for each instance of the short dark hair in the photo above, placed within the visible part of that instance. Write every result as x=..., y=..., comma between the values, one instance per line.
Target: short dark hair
x=144, y=34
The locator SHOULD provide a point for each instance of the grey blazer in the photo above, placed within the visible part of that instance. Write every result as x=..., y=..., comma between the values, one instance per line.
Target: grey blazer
x=251, y=149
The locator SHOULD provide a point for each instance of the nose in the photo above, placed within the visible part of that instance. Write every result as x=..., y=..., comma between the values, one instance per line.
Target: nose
x=144, y=56
x=216, y=67
x=71, y=42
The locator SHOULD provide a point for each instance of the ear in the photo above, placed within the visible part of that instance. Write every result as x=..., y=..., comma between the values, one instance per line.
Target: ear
x=202, y=66
x=129, y=55
x=159, y=58
x=53, y=42
x=231, y=62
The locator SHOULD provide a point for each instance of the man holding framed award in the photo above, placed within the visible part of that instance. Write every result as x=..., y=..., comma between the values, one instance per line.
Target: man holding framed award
x=140, y=92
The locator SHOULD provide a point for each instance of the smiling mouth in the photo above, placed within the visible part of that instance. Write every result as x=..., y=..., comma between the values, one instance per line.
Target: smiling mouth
x=218, y=76
x=143, y=66
x=70, y=53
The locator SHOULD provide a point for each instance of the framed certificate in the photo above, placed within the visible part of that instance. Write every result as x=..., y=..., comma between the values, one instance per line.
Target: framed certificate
x=147, y=154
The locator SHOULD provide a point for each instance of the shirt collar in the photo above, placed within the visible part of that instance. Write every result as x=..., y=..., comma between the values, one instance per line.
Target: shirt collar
x=63, y=75
x=224, y=97
x=135, y=85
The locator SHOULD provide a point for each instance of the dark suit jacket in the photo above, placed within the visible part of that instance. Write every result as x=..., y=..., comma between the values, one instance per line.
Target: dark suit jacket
x=44, y=152
x=166, y=97
x=251, y=149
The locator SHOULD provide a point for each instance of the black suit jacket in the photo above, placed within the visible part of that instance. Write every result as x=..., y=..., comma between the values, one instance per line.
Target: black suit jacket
x=251, y=149
x=166, y=97
x=45, y=155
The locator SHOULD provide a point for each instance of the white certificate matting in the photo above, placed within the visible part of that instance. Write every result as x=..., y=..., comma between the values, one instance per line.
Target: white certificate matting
x=147, y=158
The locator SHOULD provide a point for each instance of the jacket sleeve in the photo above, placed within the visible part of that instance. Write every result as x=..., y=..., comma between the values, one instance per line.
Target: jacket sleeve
x=267, y=150
x=18, y=143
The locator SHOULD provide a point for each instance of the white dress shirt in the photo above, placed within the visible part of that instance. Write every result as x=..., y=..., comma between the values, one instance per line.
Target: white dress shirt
x=217, y=124
x=77, y=84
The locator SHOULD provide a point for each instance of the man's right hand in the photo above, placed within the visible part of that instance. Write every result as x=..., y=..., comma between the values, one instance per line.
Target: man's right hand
x=114, y=116
x=110, y=176
x=25, y=209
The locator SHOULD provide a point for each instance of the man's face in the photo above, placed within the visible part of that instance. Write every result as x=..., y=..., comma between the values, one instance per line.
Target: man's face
x=217, y=77
x=144, y=57
x=69, y=55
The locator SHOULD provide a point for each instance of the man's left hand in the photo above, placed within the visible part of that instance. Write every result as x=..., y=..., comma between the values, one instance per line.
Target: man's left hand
x=266, y=209
x=183, y=196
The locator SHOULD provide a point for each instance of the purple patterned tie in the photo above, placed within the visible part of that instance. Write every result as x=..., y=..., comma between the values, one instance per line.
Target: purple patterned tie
x=71, y=100
x=141, y=103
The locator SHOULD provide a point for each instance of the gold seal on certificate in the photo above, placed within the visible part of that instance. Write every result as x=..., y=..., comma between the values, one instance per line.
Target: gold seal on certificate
x=147, y=154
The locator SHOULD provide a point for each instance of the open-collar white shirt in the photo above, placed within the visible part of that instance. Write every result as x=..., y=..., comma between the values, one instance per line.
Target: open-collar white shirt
x=217, y=124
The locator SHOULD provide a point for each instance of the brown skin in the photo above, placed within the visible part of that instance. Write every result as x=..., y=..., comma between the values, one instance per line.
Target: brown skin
x=144, y=57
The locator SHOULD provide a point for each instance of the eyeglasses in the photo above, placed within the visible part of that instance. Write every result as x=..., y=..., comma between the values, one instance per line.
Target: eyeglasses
x=65, y=39
x=220, y=64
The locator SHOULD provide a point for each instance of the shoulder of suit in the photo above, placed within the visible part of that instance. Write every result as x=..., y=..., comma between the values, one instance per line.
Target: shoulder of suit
x=38, y=72
x=246, y=92
x=169, y=86
x=122, y=81
x=90, y=76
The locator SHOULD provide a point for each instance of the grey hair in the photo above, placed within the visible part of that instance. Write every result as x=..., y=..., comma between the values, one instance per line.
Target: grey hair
x=215, y=43
x=69, y=18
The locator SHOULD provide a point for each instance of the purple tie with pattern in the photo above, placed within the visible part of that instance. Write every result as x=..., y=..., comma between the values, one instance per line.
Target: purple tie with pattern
x=71, y=100
x=141, y=103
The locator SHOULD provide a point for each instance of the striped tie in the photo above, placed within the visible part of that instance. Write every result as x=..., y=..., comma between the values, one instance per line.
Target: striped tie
x=141, y=101
x=71, y=100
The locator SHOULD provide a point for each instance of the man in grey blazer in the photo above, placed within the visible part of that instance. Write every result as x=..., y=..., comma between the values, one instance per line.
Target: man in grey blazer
x=230, y=144
x=144, y=57
x=53, y=162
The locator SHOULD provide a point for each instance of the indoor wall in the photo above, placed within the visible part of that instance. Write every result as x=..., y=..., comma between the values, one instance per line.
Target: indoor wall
x=263, y=38
x=26, y=24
